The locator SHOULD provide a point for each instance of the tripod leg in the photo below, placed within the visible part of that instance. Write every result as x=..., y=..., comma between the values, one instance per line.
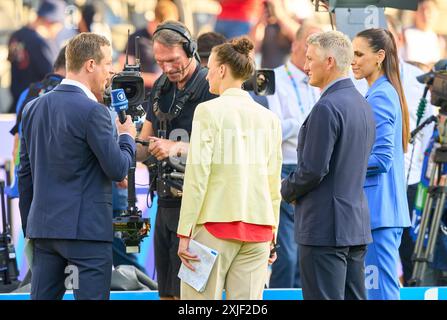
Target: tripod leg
x=419, y=251
x=434, y=228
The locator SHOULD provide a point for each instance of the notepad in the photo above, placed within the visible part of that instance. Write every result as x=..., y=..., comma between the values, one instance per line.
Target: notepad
x=198, y=278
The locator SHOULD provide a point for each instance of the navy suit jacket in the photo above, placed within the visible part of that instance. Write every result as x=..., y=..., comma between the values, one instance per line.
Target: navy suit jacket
x=68, y=158
x=334, y=145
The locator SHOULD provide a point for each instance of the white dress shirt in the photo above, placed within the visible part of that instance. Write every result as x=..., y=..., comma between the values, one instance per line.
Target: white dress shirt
x=90, y=94
x=422, y=46
x=413, y=91
x=292, y=106
x=75, y=83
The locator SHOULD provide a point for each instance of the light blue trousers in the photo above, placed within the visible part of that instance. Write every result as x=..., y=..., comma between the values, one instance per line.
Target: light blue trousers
x=381, y=264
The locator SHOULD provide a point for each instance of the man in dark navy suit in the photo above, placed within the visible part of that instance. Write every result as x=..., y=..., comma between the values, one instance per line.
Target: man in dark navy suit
x=69, y=157
x=332, y=218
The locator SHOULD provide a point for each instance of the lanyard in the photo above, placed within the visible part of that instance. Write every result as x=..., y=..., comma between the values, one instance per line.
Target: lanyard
x=295, y=87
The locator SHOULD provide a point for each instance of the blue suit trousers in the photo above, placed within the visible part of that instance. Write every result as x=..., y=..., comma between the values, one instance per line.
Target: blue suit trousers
x=381, y=264
x=60, y=265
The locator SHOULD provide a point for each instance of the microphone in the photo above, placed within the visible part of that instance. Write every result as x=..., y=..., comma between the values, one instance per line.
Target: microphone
x=119, y=103
x=181, y=70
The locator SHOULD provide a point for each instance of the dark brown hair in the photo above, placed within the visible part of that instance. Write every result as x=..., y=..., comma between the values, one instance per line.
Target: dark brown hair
x=236, y=54
x=381, y=39
x=208, y=40
x=83, y=47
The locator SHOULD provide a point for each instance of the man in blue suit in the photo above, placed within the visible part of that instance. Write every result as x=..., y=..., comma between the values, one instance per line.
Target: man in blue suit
x=69, y=158
x=332, y=217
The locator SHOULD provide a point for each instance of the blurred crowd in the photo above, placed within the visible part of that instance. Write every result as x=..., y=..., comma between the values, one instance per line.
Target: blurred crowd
x=271, y=24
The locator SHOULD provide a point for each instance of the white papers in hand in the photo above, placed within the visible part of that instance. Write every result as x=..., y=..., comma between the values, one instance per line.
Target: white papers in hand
x=198, y=278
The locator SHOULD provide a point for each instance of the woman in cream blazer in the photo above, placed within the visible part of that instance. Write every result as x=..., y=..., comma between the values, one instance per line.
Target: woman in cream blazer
x=232, y=181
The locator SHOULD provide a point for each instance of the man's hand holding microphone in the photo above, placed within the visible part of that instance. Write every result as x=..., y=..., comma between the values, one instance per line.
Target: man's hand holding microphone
x=124, y=124
x=128, y=127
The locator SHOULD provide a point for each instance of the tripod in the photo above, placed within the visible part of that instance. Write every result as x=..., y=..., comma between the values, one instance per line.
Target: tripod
x=433, y=208
x=8, y=264
x=130, y=226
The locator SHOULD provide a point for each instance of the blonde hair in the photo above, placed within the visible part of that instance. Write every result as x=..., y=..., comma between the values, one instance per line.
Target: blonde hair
x=83, y=47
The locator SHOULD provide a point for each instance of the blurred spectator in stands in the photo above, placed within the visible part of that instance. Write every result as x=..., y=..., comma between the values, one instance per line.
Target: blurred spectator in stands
x=90, y=21
x=422, y=44
x=275, y=32
x=33, y=49
x=237, y=17
x=164, y=10
x=88, y=12
x=205, y=42
x=35, y=89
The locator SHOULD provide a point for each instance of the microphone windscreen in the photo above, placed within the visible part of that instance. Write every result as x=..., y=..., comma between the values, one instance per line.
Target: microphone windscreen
x=119, y=103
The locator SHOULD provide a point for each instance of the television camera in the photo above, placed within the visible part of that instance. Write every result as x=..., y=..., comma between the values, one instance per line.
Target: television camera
x=126, y=95
x=431, y=219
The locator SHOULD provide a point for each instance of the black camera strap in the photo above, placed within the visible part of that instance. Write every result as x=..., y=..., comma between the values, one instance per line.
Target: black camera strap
x=190, y=93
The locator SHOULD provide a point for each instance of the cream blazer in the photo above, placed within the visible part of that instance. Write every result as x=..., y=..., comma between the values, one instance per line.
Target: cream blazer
x=233, y=170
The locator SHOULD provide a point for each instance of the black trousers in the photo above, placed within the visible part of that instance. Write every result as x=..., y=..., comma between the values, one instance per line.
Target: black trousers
x=333, y=273
x=167, y=262
x=407, y=244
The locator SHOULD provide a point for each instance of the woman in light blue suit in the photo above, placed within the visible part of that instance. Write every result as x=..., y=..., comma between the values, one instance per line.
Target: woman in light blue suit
x=376, y=60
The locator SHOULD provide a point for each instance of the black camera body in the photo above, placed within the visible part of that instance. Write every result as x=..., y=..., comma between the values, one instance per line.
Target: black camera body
x=131, y=229
x=262, y=83
x=167, y=177
x=132, y=83
x=439, y=90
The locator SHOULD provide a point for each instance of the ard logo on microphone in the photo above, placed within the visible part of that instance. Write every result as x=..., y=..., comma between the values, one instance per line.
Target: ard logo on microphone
x=119, y=99
x=121, y=96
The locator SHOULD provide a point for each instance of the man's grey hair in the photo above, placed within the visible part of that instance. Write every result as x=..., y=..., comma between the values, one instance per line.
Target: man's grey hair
x=334, y=44
x=170, y=38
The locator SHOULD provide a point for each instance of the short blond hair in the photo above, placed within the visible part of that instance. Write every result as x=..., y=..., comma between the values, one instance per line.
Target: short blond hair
x=335, y=44
x=84, y=46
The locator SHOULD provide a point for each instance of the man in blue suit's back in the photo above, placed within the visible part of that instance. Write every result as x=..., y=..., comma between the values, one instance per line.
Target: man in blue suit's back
x=68, y=159
x=334, y=143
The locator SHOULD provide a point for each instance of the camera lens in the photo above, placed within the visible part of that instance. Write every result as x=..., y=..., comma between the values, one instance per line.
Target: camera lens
x=130, y=91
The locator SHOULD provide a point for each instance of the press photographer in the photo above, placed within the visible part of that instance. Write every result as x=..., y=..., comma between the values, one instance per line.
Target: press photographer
x=170, y=109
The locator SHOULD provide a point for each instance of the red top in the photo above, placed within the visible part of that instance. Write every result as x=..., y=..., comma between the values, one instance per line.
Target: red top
x=238, y=230
x=240, y=10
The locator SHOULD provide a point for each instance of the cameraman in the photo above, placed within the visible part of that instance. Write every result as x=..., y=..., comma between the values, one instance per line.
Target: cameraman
x=181, y=87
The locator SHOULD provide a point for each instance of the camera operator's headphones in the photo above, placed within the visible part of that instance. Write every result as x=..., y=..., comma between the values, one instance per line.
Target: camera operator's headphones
x=190, y=47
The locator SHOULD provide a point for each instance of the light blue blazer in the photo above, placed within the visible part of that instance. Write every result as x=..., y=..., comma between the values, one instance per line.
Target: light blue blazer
x=385, y=182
